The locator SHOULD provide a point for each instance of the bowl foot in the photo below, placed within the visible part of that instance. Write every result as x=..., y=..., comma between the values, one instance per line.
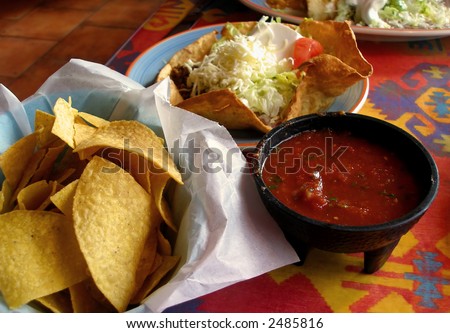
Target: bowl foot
x=301, y=249
x=375, y=259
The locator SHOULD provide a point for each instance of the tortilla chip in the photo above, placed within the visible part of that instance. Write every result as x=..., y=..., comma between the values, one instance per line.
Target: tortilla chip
x=43, y=124
x=58, y=302
x=68, y=168
x=158, y=183
x=164, y=246
x=167, y=264
x=111, y=224
x=36, y=246
x=5, y=197
x=33, y=164
x=65, y=116
x=86, y=298
x=147, y=259
x=135, y=164
x=54, y=187
x=134, y=137
x=32, y=196
x=82, y=132
x=15, y=160
x=92, y=119
x=66, y=174
x=46, y=165
x=63, y=199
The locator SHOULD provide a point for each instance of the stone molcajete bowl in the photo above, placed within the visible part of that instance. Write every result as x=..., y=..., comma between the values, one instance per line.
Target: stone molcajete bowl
x=376, y=241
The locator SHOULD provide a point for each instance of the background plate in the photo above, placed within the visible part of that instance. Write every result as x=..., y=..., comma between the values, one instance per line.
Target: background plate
x=362, y=33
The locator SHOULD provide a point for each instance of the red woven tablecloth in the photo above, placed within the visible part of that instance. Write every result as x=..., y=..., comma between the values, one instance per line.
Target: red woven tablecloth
x=409, y=88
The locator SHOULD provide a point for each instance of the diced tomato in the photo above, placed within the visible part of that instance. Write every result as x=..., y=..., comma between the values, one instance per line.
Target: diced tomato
x=305, y=49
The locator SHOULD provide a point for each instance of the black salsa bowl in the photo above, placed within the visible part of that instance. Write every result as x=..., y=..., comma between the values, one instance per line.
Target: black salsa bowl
x=376, y=241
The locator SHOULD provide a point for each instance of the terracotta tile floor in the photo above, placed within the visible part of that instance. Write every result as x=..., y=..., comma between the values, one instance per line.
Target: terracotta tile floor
x=37, y=37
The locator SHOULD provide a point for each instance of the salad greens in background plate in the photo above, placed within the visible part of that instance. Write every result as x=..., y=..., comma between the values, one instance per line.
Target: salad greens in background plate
x=363, y=32
x=146, y=67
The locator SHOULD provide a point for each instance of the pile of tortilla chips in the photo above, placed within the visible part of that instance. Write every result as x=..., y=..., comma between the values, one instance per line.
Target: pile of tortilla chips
x=84, y=219
x=324, y=77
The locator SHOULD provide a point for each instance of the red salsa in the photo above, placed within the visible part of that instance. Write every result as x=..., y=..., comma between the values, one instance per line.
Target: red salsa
x=340, y=178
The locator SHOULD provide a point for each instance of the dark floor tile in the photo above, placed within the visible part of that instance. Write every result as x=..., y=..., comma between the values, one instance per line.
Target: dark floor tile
x=16, y=9
x=37, y=37
x=27, y=84
x=6, y=81
x=4, y=23
x=75, y=4
x=124, y=13
x=17, y=54
x=47, y=23
x=97, y=44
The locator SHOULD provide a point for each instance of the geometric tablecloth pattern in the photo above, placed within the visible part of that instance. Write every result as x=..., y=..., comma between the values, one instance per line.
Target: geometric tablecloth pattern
x=409, y=88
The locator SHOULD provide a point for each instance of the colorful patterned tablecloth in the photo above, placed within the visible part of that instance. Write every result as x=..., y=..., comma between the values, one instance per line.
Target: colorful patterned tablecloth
x=409, y=88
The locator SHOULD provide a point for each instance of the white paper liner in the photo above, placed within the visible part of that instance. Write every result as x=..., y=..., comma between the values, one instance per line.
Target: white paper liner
x=225, y=234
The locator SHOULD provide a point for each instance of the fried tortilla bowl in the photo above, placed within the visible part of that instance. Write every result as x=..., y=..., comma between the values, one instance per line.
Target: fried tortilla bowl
x=324, y=77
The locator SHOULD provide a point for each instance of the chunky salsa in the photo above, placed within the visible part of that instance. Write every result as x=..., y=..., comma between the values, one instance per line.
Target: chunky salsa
x=340, y=178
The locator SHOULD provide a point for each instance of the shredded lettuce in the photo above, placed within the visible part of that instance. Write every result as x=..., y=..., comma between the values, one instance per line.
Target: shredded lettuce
x=424, y=14
x=251, y=70
x=416, y=14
